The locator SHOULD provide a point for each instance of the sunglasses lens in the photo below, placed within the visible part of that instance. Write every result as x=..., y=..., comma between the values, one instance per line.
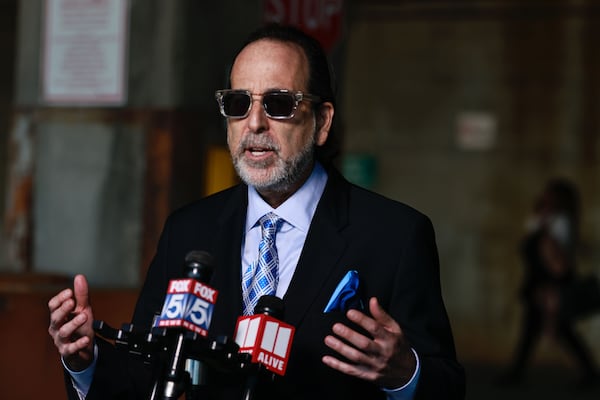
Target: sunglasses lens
x=279, y=105
x=236, y=104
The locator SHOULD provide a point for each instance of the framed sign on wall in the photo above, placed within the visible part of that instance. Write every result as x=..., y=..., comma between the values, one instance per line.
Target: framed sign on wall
x=84, y=52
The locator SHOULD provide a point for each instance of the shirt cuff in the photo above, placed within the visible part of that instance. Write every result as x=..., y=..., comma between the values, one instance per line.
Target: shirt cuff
x=406, y=392
x=82, y=380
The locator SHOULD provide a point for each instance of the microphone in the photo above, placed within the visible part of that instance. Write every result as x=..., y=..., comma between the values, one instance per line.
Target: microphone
x=264, y=336
x=189, y=302
x=188, y=306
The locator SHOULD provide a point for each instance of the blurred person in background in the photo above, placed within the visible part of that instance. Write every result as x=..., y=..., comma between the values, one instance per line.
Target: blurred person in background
x=549, y=252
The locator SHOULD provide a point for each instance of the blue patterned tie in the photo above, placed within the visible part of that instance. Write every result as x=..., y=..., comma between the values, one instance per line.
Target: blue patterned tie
x=261, y=278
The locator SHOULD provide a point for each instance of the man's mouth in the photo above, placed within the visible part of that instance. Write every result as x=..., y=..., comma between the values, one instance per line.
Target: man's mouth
x=259, y=151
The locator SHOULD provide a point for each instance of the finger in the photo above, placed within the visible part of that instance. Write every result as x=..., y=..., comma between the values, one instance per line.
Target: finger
x=66, y=331
x=81, y=290
x=71, y=348
x=380, y=326
x=349, y=352
x=364, y=353
x=374, y=327
x=74, y=325
x=59, y=299
x=392, y=339
x=358, y=340
x=349, y=369
x=62, y=338
x=381, y=316
x=60, y=315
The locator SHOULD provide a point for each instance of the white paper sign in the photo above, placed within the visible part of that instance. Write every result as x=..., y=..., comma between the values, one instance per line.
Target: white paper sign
x=84, y=56
x=476, y=131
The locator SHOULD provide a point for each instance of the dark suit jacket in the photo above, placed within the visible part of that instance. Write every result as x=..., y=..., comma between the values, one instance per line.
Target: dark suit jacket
x=391, y=245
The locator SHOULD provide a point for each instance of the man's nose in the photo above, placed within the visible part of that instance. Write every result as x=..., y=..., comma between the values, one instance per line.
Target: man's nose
x=257, y=118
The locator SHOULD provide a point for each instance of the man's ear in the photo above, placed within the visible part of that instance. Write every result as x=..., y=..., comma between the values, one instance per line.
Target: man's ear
x=324, y=117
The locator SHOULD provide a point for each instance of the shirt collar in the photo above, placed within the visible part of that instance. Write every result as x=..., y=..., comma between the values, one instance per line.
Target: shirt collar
x=297, y=210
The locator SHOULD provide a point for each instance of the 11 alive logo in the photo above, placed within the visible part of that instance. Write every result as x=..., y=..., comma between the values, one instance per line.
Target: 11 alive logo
x=189, y=304
x=267, y=339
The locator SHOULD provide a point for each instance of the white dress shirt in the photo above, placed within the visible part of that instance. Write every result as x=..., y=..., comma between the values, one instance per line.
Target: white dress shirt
x=297, y=213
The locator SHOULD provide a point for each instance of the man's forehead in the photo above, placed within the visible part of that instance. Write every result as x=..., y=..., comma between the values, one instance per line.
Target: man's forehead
x=266, y=60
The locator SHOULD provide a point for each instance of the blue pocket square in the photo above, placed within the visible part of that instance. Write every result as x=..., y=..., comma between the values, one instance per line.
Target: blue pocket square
x=346, y=295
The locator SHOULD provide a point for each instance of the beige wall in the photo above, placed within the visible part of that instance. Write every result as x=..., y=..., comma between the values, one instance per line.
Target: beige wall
x=411, y=71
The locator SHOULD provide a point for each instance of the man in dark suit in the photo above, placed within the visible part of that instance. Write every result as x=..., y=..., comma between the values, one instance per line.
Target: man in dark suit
x=279, y=111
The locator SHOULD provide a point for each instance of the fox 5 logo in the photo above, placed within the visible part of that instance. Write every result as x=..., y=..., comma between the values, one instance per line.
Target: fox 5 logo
x=187, y=307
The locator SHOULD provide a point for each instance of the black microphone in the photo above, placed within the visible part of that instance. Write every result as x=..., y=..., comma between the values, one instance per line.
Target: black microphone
x=198, y=266
x=265, y=338
x=269, y=305
x=188, y=307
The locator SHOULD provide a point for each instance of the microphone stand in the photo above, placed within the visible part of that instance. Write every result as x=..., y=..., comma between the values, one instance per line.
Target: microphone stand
x=174, y=385
x=171, y=379
x=153, y=346
x=251, y=379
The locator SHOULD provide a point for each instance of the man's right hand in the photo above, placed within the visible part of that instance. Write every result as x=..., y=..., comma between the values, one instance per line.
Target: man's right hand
x=71, y=325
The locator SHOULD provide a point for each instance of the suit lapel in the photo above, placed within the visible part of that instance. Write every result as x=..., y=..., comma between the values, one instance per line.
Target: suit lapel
x=227, y=244
x=322, y=249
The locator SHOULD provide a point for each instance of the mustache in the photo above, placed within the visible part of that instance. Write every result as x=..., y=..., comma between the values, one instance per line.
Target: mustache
x=261, y=141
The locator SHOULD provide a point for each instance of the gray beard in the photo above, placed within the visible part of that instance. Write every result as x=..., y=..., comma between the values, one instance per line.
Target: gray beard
x=283, y=177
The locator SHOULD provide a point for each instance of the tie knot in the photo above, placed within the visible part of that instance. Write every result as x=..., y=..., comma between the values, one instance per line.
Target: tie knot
x=270, y=223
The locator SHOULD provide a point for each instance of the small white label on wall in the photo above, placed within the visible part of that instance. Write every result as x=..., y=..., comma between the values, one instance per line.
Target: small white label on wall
x=475, y=131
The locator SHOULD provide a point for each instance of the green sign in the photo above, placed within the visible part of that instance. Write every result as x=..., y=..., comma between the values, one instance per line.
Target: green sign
x=360, y=169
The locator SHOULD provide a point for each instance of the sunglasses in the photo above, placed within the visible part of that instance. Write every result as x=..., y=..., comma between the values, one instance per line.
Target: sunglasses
x=278, y=104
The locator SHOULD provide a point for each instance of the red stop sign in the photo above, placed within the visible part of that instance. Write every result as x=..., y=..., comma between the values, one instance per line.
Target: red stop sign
x=319, y=18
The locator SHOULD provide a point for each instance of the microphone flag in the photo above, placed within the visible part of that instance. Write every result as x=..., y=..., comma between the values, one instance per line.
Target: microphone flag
x=267, y=339
x=188, y=304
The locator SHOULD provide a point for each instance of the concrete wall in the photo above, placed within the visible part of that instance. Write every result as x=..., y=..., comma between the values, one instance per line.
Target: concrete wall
x=88, y=202
x=89, y=165
x=411, y=73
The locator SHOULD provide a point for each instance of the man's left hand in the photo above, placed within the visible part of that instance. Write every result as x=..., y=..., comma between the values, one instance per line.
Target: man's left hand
x=386, y=360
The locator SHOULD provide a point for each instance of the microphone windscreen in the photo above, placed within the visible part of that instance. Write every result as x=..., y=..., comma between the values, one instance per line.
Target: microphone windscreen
x=199, y=265
x=270, y=305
